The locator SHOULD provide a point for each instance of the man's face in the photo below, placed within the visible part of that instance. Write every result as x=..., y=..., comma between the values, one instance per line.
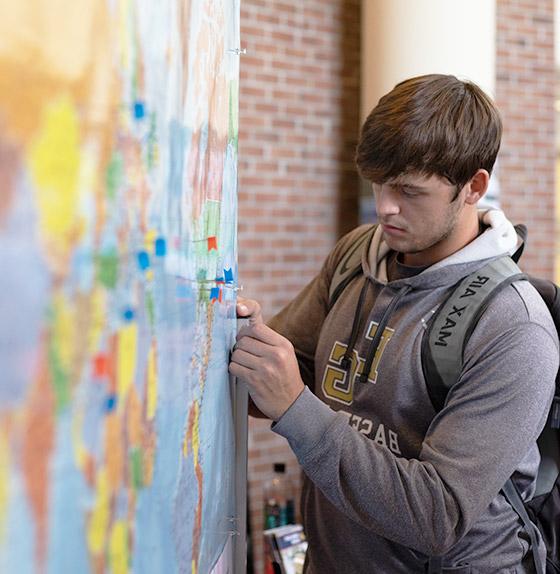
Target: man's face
x=420, y=218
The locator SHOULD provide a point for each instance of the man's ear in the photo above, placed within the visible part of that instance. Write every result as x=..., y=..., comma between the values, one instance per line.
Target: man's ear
x=477, y=186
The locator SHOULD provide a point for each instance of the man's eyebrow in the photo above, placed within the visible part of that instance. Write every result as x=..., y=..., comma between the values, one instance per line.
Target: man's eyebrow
x=407, y=184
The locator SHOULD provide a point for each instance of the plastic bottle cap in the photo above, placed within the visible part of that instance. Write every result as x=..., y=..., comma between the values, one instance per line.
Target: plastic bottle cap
x=279, y=467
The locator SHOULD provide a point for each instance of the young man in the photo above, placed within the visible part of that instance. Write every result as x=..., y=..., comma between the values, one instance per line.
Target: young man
x=389, y=482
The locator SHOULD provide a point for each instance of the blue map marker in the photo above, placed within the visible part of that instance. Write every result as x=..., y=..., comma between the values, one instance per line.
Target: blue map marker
x=160, y=247
x=128, y=314
x=143, y=260
x=139, y=110
x=214, y=293
x=111, y=403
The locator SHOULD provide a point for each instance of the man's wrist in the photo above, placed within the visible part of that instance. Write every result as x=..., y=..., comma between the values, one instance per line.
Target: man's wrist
x=289, y=406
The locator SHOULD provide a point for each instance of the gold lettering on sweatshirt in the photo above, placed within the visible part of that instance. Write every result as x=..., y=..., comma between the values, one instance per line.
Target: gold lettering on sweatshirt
x=387, y=334
x=338, y=384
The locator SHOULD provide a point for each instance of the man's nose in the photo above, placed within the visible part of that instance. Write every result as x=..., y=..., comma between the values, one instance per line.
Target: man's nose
x=386, y=200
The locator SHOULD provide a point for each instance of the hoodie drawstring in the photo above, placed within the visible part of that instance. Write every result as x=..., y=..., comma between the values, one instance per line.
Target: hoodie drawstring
x=372, y=349
x=379, y=332
x=346, y=360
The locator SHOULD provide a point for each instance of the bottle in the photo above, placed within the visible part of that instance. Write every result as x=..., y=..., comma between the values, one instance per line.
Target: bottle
x=278, y=498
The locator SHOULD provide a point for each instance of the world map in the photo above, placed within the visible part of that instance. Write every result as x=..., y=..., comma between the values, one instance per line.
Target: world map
x=118, y=183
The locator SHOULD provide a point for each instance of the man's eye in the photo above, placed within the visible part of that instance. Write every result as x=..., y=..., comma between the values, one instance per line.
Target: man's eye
x=409, y=191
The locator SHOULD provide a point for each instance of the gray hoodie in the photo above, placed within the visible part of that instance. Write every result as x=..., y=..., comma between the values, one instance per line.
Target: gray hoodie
x=388, y=482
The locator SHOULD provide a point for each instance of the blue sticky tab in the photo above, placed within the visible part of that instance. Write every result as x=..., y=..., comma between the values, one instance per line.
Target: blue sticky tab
x=139, y=110
x=110, y=403
x=214, y=293
x=143, y=260
x=161, y=247
x=228, y=274
x=128, y=314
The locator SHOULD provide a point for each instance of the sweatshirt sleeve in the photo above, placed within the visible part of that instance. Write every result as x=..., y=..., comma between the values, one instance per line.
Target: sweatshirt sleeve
x=301, y=320
x=490, y=421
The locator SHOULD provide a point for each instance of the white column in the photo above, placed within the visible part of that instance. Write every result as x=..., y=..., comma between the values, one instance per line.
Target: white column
x=405, y=38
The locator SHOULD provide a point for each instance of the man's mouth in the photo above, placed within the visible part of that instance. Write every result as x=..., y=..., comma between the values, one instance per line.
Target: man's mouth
x=391, y=229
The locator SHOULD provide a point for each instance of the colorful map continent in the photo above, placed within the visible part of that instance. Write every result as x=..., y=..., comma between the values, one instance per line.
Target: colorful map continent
x=118, y=185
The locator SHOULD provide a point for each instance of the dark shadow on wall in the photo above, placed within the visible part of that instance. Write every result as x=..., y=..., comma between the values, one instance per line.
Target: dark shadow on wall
x=349, y=182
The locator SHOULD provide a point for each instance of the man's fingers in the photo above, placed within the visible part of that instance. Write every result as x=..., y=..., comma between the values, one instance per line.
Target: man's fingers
x=249, y=309
x=250, y=345
x=239, y=371
x=245, y=359
x=262, y=333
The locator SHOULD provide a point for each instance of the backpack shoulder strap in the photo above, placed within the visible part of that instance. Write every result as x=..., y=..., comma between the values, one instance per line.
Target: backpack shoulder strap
x=521, y=230
x=350, y=263
x=454, y=321
x=514, y=498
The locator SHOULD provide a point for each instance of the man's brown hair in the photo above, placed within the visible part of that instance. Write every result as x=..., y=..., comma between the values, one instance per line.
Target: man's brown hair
x=431, y=125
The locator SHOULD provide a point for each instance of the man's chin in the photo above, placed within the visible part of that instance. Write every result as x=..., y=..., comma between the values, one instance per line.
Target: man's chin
x=395, y=243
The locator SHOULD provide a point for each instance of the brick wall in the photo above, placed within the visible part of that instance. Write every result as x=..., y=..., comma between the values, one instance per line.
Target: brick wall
x=525, y=82
x=298, y=191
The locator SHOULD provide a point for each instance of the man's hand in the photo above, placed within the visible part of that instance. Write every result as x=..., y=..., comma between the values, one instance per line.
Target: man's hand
x=266, y=362
x=249, y=309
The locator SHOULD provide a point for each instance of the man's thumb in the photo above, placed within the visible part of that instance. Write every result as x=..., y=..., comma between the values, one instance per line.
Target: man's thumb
x=250, y=309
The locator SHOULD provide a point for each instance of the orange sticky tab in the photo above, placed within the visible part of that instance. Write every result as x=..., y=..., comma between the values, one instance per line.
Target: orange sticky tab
x=212, y=243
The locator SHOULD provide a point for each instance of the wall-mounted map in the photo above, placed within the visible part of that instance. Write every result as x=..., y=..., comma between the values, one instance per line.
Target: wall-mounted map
x=118, y=159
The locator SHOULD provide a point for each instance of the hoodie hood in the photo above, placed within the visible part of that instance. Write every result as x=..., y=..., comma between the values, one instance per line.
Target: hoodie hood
x=498, y=238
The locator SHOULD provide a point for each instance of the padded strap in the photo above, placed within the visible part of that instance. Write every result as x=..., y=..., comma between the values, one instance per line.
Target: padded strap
x=448, y=332
x=521, y=230
x=349, y=266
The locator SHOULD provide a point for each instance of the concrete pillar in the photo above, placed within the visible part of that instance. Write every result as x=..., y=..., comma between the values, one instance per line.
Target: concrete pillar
x=405, y=38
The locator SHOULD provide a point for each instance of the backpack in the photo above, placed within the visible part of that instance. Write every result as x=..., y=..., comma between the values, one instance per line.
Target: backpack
x=442, y=355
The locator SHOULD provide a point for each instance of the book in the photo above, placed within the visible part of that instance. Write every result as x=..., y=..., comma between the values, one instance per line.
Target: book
x=285, y=548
